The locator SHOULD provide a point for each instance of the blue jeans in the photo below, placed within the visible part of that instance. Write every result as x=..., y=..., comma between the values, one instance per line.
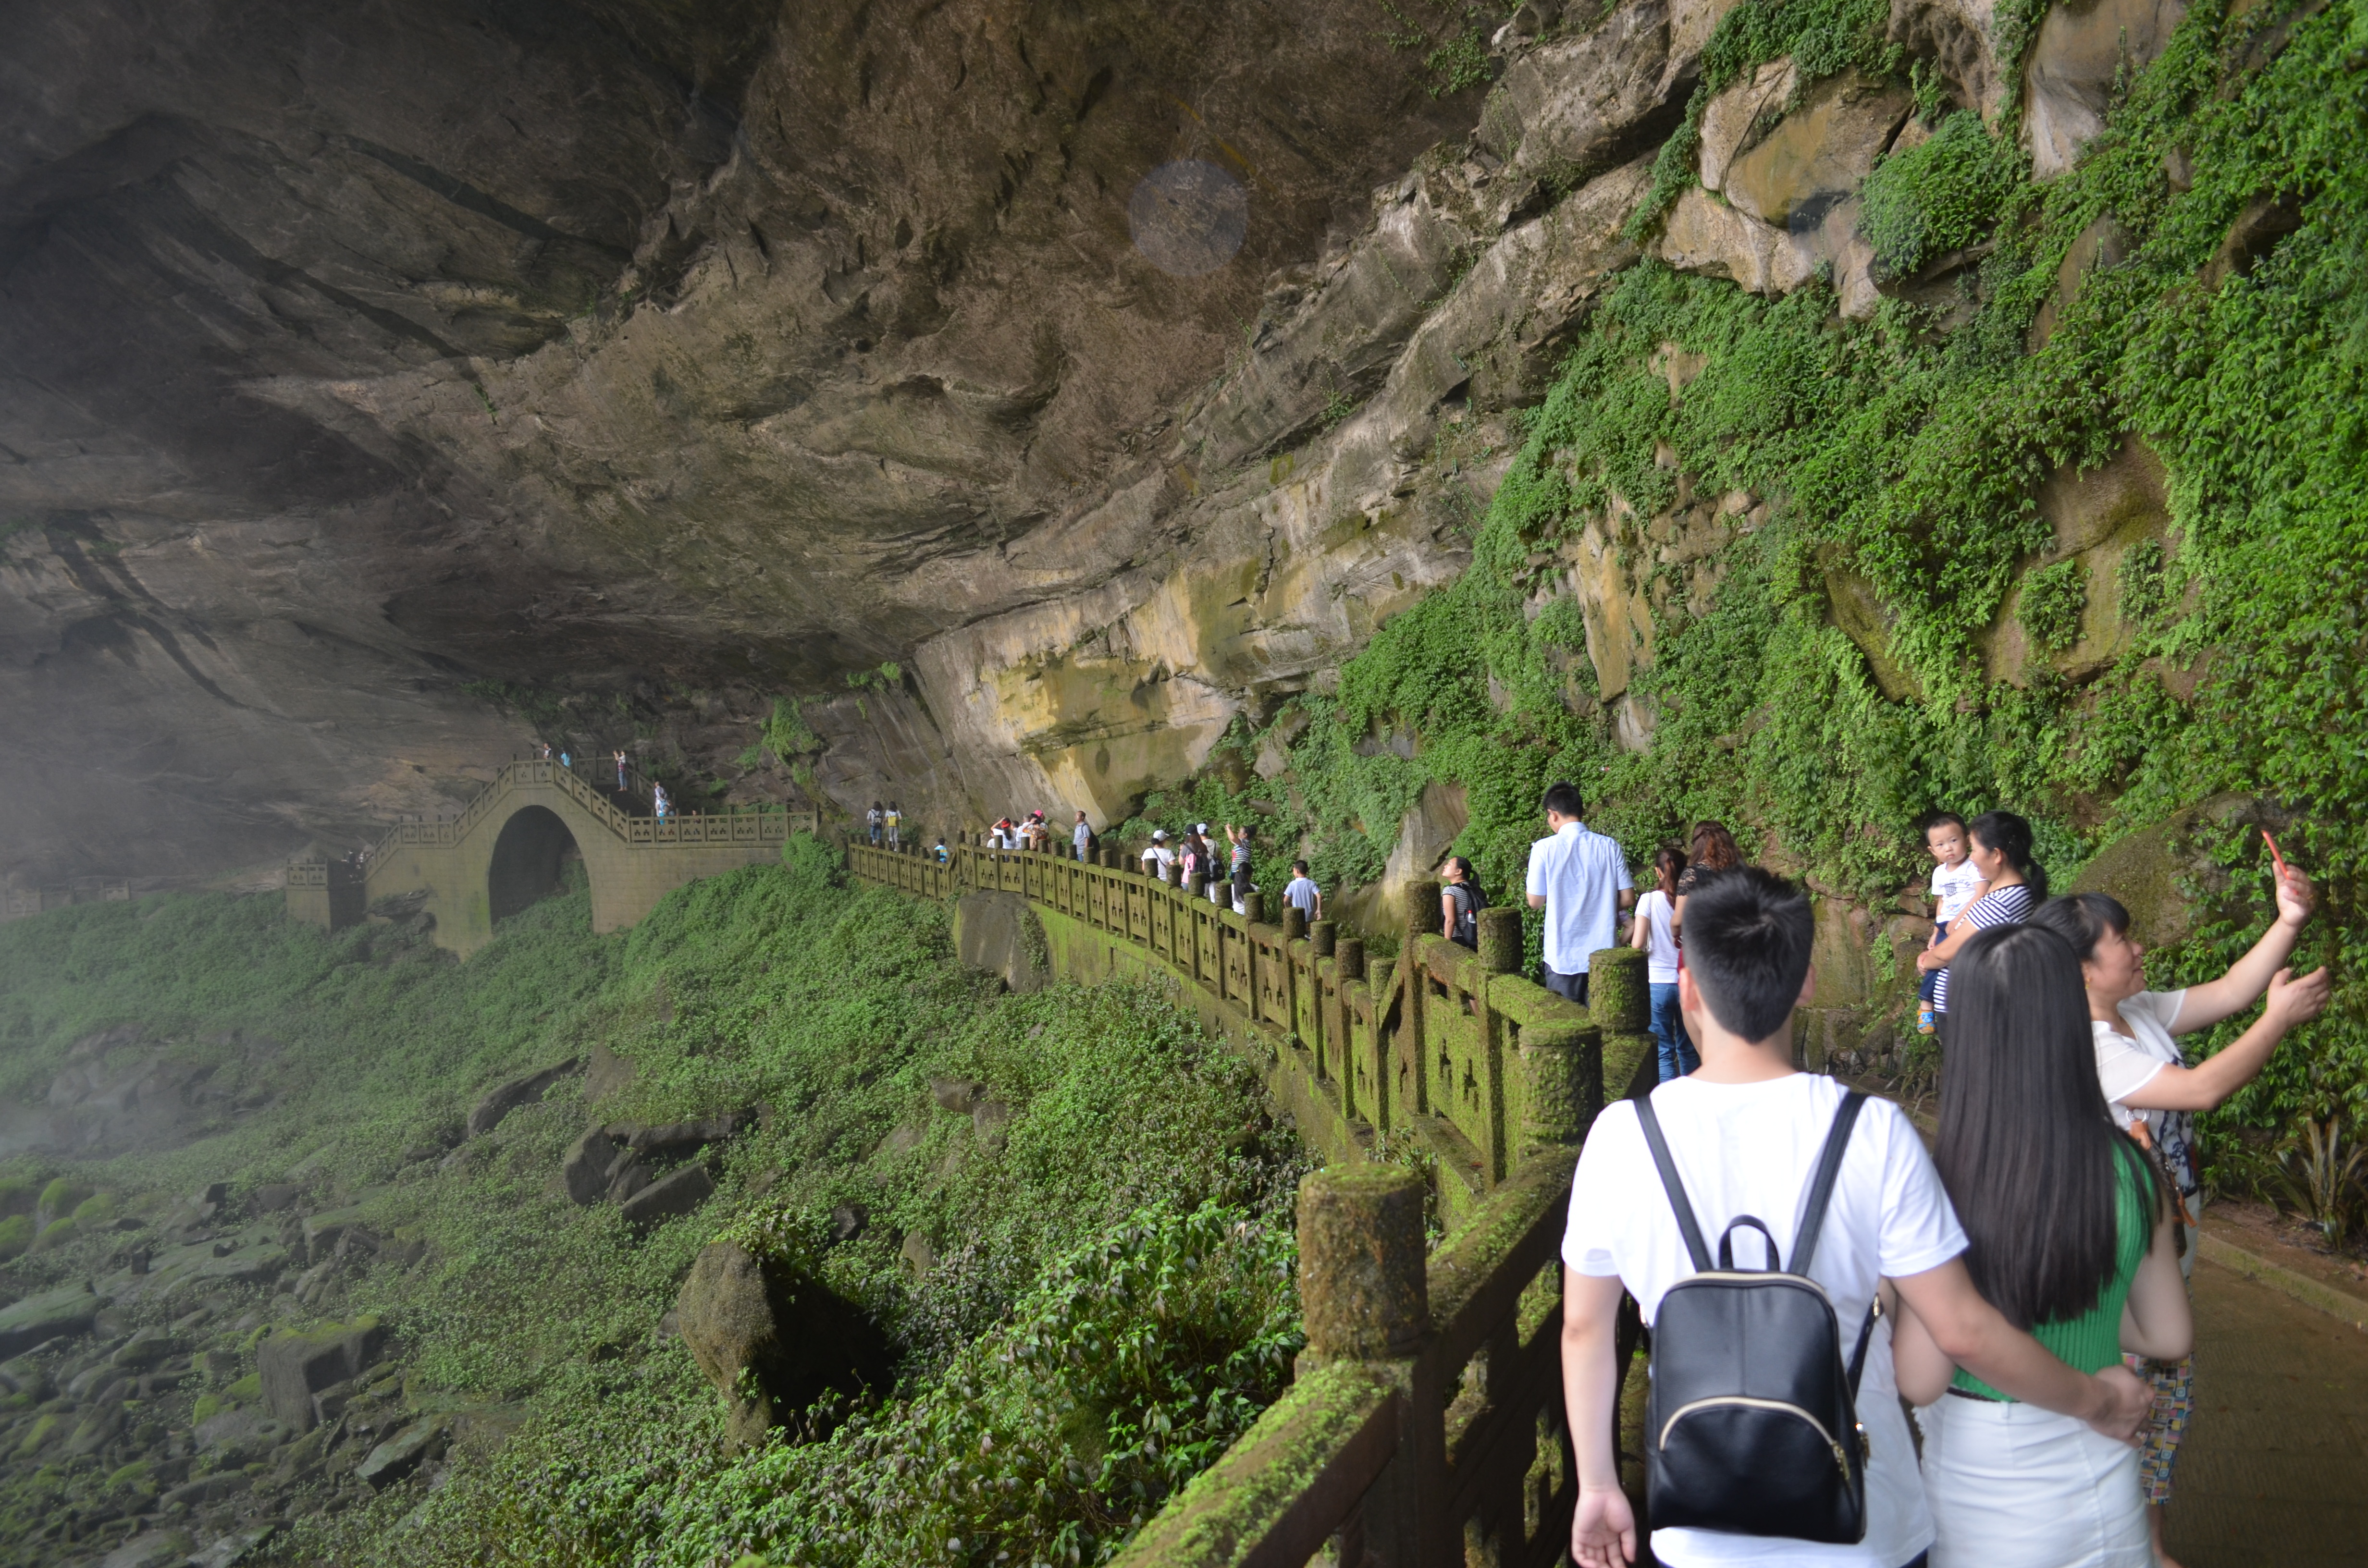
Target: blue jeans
x=1930, y=985
x=1677, y=1055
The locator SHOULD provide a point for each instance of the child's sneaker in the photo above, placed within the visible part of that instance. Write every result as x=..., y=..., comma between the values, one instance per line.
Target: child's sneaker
x=1924, y=1024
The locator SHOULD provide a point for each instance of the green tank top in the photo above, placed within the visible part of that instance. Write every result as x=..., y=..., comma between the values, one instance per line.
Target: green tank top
x=2092, y=1342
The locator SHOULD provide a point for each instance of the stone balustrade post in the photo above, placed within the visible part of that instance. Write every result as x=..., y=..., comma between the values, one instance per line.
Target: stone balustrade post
x=1350, y=954
x=1501, y=940
x=1422, y=907
x=1254, y=906
x=1620, y=1002
x=1294, y=923
x=1324, y=935
x=1364, y=1285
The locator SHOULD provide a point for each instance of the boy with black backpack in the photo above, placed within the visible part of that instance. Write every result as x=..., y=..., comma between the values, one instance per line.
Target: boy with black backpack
x=1773, y=1431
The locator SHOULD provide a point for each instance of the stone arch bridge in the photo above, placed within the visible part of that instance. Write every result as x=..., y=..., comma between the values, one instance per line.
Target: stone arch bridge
x=504, y=849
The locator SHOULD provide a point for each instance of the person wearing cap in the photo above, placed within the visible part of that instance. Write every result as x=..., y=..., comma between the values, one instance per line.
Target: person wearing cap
x=1159, y=857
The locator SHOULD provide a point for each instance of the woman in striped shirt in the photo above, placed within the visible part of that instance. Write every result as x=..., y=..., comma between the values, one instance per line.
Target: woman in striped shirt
x=2018, y=884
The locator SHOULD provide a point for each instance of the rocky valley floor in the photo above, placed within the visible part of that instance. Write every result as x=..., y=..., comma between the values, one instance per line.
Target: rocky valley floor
x=336, y=1250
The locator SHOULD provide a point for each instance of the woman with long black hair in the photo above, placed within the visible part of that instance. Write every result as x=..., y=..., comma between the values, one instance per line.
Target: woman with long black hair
x=2017, y=883
x=2071, y=1239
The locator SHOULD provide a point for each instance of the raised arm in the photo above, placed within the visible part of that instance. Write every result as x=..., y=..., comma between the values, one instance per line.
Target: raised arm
x=2204, y=1085
x=2206, y=1005
x=1603, y=1527
x=1971, y=1332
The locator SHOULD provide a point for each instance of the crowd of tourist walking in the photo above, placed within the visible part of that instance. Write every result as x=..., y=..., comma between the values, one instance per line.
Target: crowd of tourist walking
x=2021, y=1286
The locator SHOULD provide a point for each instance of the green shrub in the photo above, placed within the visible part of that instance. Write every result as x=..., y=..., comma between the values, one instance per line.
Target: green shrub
x=2052, y=599
x=17, y=1195
x=96, y=1212
x=55, y=1234
x=1939, y=196
x=15, y=1234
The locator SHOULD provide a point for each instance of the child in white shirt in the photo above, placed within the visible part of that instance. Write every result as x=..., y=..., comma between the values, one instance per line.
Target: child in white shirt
x=1745, y=1132
x=1957, y=883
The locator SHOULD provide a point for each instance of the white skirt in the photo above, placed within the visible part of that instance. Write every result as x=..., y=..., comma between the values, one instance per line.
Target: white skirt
x=2011, y=1486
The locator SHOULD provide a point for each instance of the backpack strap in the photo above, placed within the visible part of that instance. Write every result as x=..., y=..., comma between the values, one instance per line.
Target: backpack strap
x=1821, y=1187
x=1813, y=1221
x=1695, y=1247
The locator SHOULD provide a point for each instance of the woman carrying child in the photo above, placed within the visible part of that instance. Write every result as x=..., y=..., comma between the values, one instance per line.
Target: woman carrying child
x=2018, y=883
x=2155, y=1095
x=1652, y=932
x=2071, y=1238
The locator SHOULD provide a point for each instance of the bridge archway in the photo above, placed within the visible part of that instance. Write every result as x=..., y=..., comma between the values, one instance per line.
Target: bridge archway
x=525, y=864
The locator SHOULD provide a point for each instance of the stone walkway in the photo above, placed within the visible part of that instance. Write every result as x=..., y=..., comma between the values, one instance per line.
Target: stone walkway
x=2275, y=1468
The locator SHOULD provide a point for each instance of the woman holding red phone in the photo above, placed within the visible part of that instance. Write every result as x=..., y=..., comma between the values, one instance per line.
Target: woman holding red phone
x=2154, y=1095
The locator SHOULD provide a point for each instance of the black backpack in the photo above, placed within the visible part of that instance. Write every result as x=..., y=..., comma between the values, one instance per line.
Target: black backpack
x=1751, y=1427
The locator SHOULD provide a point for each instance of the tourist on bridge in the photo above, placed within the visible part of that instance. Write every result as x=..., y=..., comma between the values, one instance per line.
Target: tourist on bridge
x=872, y=821
x=621, y=773
x=658, y=799
x=2018, y=884
x=892, y=822
x=1652, y=934
x=1738, y=1143
x=1460, y=903
x=2072, y=1237
x=1301, y=893
x=1081, y=837
x=1714, y=851
x=944, y=856
x=1580, y=879
x=1157, y=856
x=2155, y=1095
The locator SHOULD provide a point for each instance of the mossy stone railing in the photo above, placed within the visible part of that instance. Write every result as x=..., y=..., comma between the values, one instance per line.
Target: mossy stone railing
x=1426, y=1424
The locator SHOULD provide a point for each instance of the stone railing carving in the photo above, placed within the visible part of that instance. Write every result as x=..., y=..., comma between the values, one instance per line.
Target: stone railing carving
x=1426, y=1424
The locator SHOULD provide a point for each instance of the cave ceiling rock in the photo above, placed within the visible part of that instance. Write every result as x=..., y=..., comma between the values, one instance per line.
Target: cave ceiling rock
x=1574, y=107
x=1741, y=114
x=2083, y=49
x=1960, y=37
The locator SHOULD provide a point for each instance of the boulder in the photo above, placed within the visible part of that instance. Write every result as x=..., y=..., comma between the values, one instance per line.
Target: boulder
x=1817, y=154
x=400, y=1454
x=95, y=1430
x=989, y=1122
x=147, y=1347
x=917, y=1255
x=1960, y=37
x=674, y=1138
x=848, y=1221
x=999, y=933
x=2103, y=243
x=772, y=1341
x=272, y=1197
x=585, y=1170
x=2082, y=50
x=1704, y=234
x=498, y=1103
x=2251, y=235
x=957, y=1095
x=669, y=1197
x=150, y=1548
x=294, y=1366
x=628, y=1174
x=1742, y=113
x=53, y=1314
x=228, y=1551
x=607, y=1074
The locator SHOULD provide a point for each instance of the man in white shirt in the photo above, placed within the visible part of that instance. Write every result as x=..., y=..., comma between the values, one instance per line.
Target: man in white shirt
x=1580, y=879
x=1745, y=1132
x=1159, y=857
x=1081, y=835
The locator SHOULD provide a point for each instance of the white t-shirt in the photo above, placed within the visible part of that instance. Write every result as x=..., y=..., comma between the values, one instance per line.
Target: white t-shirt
x=1301, y=894
x=1157, y=859
x=1581, y=875
x=2128, y=1063
x=1081, y=835
x=1751, y=1148
x=1661, y=947
x=1954, y=887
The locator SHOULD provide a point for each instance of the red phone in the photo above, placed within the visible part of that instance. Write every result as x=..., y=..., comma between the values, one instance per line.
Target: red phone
x=2275, y=859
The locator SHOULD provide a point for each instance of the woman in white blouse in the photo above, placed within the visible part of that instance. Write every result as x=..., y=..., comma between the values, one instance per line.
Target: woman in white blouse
x=2154, y=1095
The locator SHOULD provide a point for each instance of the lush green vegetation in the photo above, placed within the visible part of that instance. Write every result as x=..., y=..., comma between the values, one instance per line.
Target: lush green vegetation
x=1112, y=1299
x=1901, y=456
